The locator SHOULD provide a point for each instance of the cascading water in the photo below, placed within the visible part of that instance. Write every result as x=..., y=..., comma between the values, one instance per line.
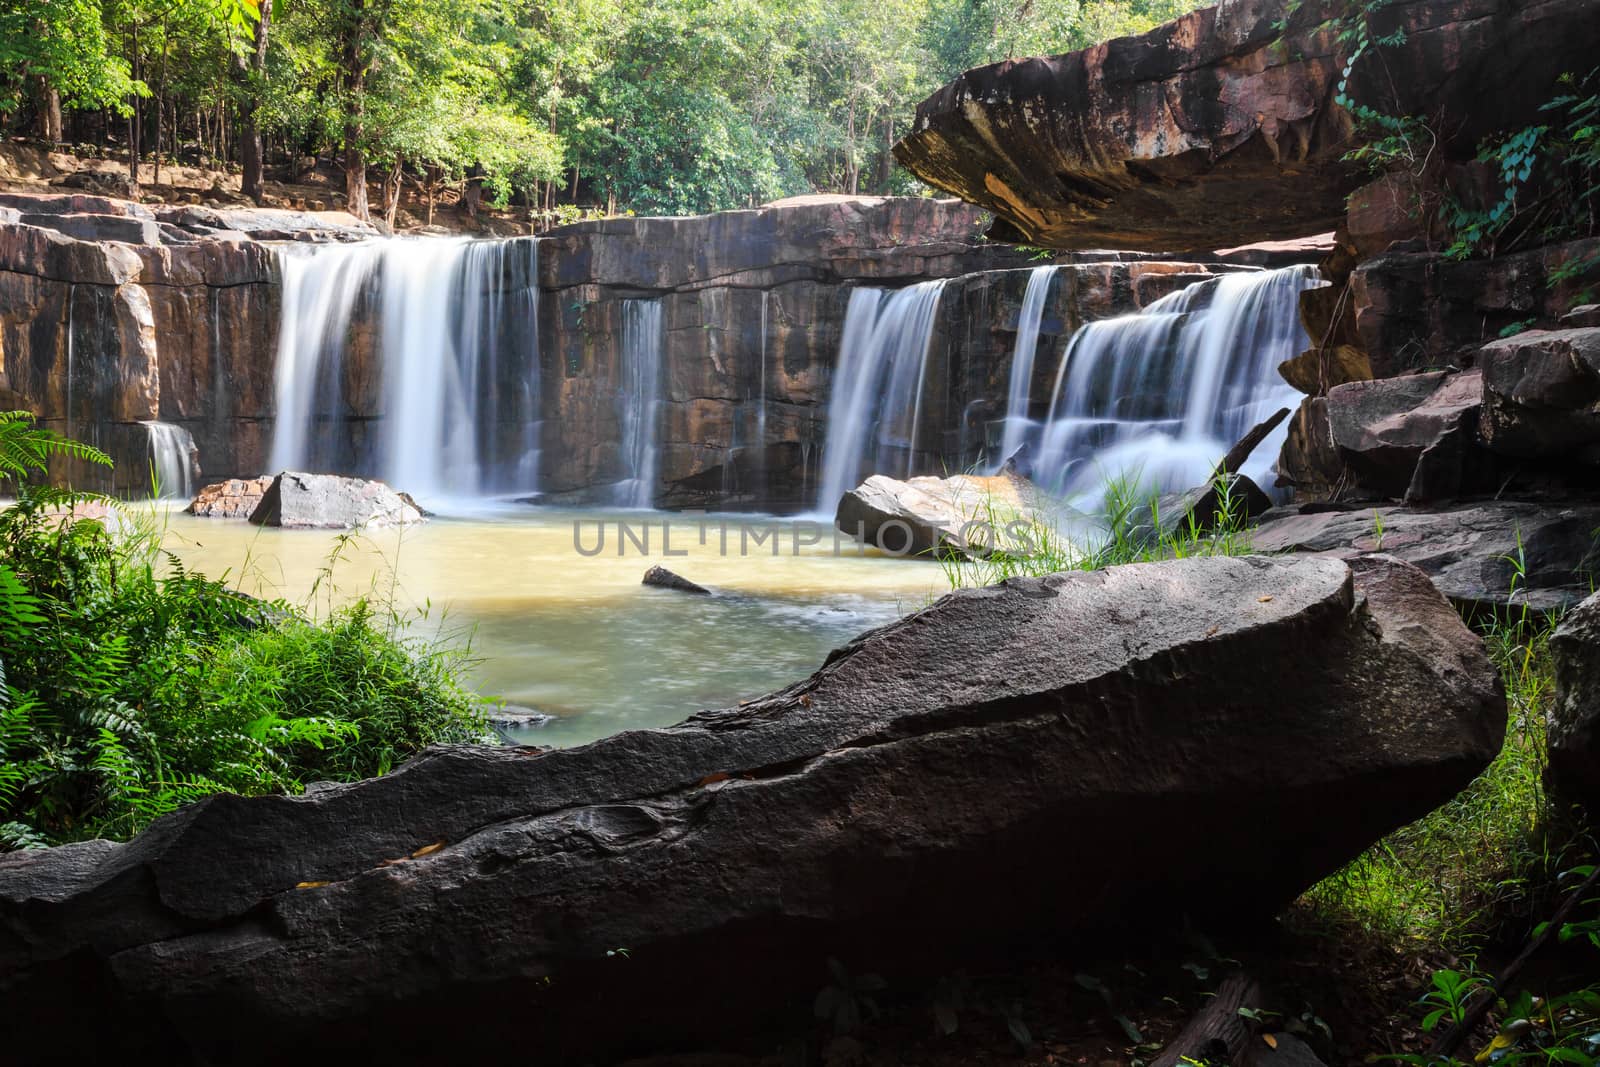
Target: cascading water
x=876, y=405
x=1022, y=359
x=455, y=349
x=639, y=401
x=1158, y=397
x=171, y=449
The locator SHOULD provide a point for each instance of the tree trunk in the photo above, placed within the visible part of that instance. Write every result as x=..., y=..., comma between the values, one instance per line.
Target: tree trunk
x=50, y=112
x=852, y=169
x=355, y=83
x=472, y=195
x=251, y=69
x=161, y=98
x=391, y=191
x=133, y=121
x=1218, y=1033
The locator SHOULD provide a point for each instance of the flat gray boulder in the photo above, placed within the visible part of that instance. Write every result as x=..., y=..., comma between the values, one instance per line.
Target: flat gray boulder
x=328, y=501
x=1488, y=554
x=1045, y=758
x=961, y=517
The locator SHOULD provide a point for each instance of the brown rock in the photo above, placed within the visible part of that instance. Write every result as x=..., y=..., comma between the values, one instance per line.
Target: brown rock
x=1492, y=554
x=1541, y=395
x=1408, y=436
x=964, y=517
x=235, y=498
x=1220, y=126
x=1423, y=311
x=1315, y=371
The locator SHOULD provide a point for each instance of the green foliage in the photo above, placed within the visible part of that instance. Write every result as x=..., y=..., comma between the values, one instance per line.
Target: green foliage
x=1560, y=1028
x=847, y=999
x=67, y=44
x=130, y=686
x=653, y=105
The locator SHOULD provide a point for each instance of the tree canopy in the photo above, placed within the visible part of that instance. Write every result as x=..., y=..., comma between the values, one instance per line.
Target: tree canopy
x=654, y=106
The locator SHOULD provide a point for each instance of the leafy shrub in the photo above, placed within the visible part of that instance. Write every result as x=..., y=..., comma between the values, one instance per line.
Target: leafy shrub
x=129, y=686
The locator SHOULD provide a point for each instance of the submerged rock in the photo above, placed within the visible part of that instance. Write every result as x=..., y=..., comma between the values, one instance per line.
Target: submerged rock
x=329, y=501
x=236, y=498
x=1485, y=554
x=964, y=517
x=662, y=578
x=1045, y=757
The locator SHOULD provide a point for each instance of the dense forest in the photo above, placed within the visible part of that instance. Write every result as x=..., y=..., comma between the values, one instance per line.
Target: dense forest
x=652, y=106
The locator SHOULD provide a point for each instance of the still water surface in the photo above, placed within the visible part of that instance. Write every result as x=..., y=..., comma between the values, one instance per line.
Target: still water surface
x=577, y=636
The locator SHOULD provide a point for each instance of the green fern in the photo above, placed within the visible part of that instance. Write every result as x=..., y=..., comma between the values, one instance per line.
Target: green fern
x=26, y=449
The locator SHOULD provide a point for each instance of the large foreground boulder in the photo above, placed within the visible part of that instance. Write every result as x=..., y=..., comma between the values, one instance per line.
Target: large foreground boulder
x=1573, y=772
x=328, y=501
x=1486, y=554
x=1049, y=757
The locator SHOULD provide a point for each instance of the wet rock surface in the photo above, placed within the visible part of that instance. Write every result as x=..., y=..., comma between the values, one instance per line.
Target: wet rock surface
x=1051, y=756
x=661, y=578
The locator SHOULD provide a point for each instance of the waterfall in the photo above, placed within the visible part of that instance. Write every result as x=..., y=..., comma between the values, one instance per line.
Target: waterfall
x=439, y=337
x=875, y=409
x=171, y=460
x=1161, y=395
x=1022, y=359
x=639, y=400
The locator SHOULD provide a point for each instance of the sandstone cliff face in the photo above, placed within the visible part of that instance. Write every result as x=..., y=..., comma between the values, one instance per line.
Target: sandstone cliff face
x=111, y=316
x=101, y=333
x=754, y=303
x=1221, y=127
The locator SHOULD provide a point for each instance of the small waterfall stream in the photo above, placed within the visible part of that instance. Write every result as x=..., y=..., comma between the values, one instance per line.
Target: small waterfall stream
x=639, y=400
x=171, y=452
x=448, y=329
x=1161, y=395
x=875, y=409
x=1022, y=359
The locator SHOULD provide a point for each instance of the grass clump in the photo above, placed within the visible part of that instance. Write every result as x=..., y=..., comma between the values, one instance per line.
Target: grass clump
x=1130, y=527
x=130, y=686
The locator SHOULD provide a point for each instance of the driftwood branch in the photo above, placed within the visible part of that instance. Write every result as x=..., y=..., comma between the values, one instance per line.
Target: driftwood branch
x=1217, y=1034
x=1451, y=1039
x=1247, y=444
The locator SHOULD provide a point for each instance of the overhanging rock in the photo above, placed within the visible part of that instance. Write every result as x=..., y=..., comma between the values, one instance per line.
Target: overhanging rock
x=1220, y=127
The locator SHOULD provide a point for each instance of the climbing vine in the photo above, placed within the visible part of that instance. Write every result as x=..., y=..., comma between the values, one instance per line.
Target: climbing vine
x=1538, y=183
